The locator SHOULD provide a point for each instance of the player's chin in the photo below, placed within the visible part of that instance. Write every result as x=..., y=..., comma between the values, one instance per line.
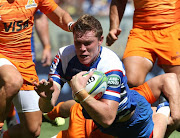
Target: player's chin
x=84, y=60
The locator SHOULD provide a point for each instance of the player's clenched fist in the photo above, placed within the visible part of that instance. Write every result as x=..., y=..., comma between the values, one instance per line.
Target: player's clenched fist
x=112, y=36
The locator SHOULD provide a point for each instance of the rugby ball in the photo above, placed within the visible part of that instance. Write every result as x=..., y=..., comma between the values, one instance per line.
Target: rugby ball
x=96, y=85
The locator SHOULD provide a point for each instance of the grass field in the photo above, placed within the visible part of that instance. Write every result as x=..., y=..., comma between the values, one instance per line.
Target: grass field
x=48, y=130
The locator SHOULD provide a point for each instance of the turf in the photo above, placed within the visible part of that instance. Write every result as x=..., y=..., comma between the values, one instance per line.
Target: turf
x=48, y=130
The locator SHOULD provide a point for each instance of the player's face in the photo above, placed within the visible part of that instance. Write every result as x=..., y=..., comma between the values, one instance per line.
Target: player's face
x=87, y=46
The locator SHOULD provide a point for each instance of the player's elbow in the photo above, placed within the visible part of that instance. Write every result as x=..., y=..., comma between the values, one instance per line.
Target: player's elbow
x=170, y=78
x=107, y=122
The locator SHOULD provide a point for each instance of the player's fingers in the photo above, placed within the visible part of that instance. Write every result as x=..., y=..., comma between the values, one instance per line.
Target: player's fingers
x=50, y=82
x=35, y=84
x=82, y=73
x=110, y=39
x=90, y=74
x=118, y=32
x=43, y=59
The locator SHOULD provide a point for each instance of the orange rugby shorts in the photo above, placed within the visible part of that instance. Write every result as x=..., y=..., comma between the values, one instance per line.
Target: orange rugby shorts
x=28, y=72
x=79, y=127
x=145, y=91
x=163, y=44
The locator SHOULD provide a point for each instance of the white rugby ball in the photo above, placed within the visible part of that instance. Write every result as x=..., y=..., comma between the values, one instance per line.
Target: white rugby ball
x=96, y=85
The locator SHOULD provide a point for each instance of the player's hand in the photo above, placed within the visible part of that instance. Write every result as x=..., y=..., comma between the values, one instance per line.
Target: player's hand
x=112, y=36
x=79, y=81
x=46, y=57
x=44, y=88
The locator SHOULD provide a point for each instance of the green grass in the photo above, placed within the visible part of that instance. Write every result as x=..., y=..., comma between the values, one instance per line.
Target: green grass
x=48, y=130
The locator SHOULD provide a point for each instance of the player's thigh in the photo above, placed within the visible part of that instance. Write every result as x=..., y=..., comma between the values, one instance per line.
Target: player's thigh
x=172, y=69
x=76, y=122
x=136, y=69
x=9, y=74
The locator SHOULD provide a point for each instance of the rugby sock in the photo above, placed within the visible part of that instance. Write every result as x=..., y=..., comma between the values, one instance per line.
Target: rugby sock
x=55, y=112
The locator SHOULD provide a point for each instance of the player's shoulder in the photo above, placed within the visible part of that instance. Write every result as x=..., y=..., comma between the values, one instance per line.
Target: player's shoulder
x=110, y=62
x=110, y=59
x=67, y=50
x=109, y=54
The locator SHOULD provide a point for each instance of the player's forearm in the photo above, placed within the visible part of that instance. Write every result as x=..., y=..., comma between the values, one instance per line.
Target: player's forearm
x=172, y=92
x=117, y=9
x=45, y=105
x=56, y=93
x=42, y=28
x=99, y=111
x=61, y=18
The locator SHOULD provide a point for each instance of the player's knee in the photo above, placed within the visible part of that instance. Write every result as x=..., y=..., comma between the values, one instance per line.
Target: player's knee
x=134, y=81
x=170, y=78
x=35, y=131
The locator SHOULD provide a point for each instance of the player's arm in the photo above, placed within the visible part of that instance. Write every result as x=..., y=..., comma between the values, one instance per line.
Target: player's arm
x=61, y=18
x=48, y=92
x=117, y=9
x=102, y=111
x=169, y=85
x=42, y=29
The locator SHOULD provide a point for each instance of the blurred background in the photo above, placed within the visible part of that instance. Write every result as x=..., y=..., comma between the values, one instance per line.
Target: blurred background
x=98, y=8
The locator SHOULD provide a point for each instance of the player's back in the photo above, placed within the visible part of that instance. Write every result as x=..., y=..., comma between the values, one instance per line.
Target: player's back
x=155, y=14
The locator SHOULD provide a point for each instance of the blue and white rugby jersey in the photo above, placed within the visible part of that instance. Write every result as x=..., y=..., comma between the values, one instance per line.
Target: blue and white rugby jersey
x=66, y=65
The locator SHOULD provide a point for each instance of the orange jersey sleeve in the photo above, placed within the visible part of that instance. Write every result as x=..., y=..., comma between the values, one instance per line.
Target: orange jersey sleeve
x=16, y=22
x=47, y=6
x=156, y=14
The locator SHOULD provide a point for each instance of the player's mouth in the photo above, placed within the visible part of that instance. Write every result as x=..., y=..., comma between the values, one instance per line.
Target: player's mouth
x=83, y=56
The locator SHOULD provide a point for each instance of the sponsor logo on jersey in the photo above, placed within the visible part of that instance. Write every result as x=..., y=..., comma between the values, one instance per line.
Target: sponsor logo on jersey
x=16, y=26
x=114, y=80
x=31, y=4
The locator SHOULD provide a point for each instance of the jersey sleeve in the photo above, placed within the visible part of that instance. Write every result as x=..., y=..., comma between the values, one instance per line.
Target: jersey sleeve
x=56, y=71
x=113, y=90
x=47, y=6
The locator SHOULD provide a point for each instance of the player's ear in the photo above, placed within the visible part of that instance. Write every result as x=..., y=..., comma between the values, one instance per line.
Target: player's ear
x=101, y=40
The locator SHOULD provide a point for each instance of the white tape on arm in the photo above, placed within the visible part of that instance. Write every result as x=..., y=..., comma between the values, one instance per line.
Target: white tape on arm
x=57, y=84
x=69, y=26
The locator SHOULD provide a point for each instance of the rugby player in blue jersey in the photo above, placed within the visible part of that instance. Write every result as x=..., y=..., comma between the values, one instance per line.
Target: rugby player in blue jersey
x=121, y=112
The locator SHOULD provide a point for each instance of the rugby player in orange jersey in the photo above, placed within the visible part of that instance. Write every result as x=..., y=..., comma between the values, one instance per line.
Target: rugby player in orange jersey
x=155, y=36
x=17, y=70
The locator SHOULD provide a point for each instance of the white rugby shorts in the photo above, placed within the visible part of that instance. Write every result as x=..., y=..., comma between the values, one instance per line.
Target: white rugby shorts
x=4, y=61
x=26, y=101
